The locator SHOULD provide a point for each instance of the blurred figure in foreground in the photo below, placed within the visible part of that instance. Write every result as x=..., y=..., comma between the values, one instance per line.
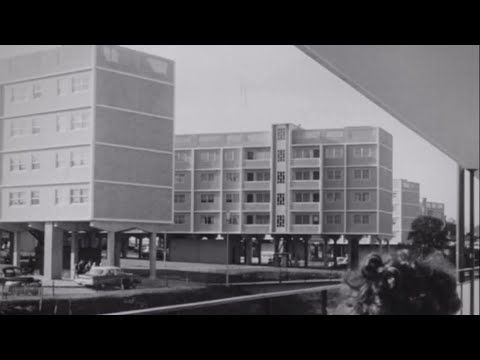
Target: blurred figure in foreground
x=404, y=285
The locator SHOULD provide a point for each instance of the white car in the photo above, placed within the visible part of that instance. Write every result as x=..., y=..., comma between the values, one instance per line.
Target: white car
x=101, y=277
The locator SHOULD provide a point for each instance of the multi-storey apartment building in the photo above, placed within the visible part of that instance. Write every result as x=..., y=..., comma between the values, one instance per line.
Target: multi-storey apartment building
x=434, y=209
x=406, y=208
x=87, y=144
x=290, y=183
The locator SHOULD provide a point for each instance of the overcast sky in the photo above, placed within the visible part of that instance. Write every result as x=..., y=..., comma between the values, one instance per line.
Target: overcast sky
x=224, y=88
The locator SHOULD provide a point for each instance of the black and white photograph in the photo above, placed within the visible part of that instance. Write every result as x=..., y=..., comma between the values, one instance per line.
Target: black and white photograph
x=239, y=180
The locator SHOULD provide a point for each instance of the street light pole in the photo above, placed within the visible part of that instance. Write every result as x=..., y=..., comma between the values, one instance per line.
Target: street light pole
x=227, y=257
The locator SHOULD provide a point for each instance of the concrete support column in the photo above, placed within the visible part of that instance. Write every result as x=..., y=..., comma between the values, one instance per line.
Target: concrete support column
x=140, y=244
x=153, y=256
x=16, y=248
x=325, y=252
x=388, y=245
x=73, y=254
x=248, y=251
x=259, y=244
x=306, y=250
x=113, y=249
x=353, y=242
x=53, y=252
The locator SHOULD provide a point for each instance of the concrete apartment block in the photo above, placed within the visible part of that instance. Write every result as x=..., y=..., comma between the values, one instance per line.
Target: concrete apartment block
x=87, y=143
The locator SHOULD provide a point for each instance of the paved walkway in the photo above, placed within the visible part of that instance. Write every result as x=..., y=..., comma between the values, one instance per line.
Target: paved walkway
x=213, y=268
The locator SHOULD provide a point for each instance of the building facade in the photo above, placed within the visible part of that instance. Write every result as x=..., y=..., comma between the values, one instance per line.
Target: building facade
x=406, y=208
x=434, y=209
x=87, y=144
x=289, y=183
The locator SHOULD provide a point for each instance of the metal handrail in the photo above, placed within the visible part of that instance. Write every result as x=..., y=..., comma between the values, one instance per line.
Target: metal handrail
x=218, y=302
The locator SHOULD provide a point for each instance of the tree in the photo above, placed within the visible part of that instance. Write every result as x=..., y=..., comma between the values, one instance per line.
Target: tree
x=428, y=235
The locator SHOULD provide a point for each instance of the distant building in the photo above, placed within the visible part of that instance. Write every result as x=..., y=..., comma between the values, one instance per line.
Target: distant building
x=434, y=209
x=289, y=183
x=406, y=208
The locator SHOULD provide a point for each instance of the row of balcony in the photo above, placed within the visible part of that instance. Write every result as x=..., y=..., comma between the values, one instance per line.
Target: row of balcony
x=266, y=163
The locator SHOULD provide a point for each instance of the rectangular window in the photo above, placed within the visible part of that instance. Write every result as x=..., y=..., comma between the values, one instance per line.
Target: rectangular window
x=79, y=120
x=78, y=196
x=250, y=176
x=17, y=164
x=262, y=197
x=334, y=196
x=250, y=155
x=249, y=220
x=334, y=174
x=62, y=123
x=302, y=197
x=17, y=198
x=181, y=156
x=316, y=175
x=232, y=220
x=281, y=177
x=281, y=155
x=334, y=153
x=207, y=198
x=35, y=162
x=179, y=219
x=316, y=197
x=316, y=153
x=302, y=175
x=37, y=91
x=179, y=198
x=281, y=199
x=250, y=198
x=78, y=158
x=281, y=134
x=35, y=198
x=338, y=219
x=362, y=197
x=232, y=198
x=62, y=86
x=58, y=197
x=208, y=155
x=19, y=94
x=179, y=178
x=302, y=219
x=233, y=176
x=280, y=221
x=361, y=174
x=362, y=152
x=207, y=177
x=262, y=219
x=35, y=127
x=315, y=220
x=80, y=83
x=59, y=163
x=357, y=219
x=229, y=155
x=17, y=129
x=111, y=54
x=208, y=220
x=262, y=176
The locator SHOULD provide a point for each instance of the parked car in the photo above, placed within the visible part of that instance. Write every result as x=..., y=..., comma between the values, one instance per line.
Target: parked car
x=102, y=277
x=13, y=277
x=146, y=252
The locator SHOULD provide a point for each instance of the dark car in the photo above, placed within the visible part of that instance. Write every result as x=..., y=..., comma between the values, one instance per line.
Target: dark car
x=13, y=277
